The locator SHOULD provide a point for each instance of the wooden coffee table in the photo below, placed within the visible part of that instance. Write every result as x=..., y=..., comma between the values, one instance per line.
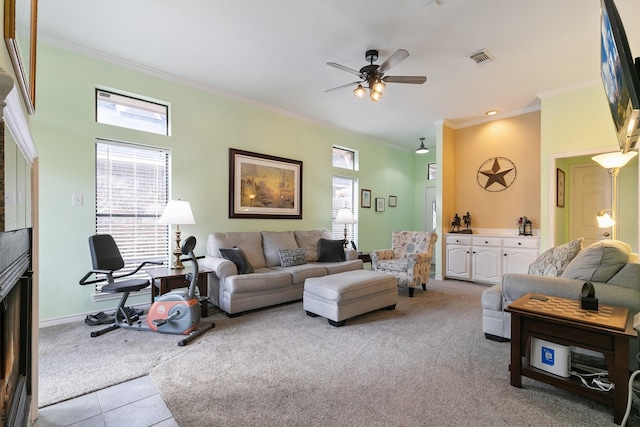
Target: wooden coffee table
x=562, y=321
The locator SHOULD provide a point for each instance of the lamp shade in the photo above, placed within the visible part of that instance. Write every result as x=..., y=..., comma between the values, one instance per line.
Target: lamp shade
x=177, y=212
x=604, y=220
x=422, y=149
x=345, y=216
x=614, y=160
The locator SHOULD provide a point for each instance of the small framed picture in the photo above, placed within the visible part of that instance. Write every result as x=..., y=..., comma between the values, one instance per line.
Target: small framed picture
x=559, y=188
x=379, y=204
x=365, y=198
x=431, y=171
x=393, y=201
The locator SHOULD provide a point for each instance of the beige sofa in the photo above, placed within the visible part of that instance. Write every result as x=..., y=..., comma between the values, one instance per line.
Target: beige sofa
x=270, y=282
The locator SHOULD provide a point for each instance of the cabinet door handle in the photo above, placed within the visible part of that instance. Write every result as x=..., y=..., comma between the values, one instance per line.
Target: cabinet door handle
x=486, y=243
x=519, y=243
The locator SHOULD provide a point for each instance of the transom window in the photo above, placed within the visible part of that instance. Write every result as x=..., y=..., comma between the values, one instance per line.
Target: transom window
x=344, y=158
x=131, y=112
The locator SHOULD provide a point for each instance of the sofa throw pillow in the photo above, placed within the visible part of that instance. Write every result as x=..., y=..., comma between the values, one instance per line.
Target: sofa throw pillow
x=291, y=257
x=236, y=256
x=552, y=262
x=598, y=262
x=330, y=250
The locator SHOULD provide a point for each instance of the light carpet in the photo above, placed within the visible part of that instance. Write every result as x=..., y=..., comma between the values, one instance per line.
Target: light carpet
x=424, y=363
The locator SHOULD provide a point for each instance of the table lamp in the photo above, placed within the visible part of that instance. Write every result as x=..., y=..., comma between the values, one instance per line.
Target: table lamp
x=345, y=216
x=177, y=212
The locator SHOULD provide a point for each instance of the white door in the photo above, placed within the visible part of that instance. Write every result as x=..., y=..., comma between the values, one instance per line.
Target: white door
x=590, y=192
x=430, y=217
x=429, y=208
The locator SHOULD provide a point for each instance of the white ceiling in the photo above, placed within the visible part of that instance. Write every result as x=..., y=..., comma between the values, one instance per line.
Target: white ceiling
x=274, y=53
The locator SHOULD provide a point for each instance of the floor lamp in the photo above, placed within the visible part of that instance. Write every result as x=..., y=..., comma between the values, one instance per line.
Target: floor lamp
x=612, y=162
x=177, y=212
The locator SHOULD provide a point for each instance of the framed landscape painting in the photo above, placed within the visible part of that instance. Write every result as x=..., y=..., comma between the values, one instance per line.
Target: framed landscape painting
x=263, y=186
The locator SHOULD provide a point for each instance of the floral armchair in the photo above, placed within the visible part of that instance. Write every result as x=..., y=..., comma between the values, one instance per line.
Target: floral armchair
x=409, y=258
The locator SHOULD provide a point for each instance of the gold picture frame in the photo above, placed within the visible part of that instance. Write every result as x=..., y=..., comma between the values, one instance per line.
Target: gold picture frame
x=20, y=31
x=264, y=186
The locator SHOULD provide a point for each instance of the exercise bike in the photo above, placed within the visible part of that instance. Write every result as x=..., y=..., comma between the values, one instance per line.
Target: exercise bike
x=178, y=312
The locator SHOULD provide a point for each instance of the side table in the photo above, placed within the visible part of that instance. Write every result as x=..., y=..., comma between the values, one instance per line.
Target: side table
x=164, y=279
x=562, y=321
x=364, y=256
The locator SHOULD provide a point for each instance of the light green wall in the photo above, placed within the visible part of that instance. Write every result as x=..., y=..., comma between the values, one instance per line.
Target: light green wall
x=203, y=127
x=573, y=124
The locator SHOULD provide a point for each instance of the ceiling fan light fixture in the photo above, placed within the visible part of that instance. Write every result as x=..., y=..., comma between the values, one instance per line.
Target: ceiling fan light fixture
x=359, y=92
x=375, y=95
x=379, y=86
x=422, y=149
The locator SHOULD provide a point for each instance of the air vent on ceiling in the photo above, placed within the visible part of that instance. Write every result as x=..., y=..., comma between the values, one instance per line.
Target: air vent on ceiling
x=481, y=56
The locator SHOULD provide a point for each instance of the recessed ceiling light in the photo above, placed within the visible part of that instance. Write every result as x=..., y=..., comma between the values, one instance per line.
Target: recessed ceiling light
x=492, y=112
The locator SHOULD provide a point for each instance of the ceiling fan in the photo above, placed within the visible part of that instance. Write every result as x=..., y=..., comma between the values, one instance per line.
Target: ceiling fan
x=373, y=75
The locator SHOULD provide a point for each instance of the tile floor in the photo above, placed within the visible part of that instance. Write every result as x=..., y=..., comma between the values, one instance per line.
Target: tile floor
x=136, y=403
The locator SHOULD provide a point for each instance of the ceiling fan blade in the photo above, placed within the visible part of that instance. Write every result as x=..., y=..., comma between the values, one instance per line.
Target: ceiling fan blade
x=343, y=68
x=343, y=86
x=397, y=57
x=414, y=80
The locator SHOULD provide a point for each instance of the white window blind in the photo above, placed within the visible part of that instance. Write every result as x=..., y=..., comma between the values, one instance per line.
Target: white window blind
x=132, y=184
x=344, y=196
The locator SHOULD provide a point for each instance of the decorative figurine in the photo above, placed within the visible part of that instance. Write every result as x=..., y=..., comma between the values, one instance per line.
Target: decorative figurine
x=455, y=224
x=467, y=220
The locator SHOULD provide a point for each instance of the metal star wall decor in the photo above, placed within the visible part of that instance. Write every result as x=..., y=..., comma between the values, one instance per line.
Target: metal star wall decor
x=496, y=174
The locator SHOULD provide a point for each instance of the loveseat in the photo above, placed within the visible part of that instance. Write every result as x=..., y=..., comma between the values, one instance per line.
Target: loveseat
x=266, y=268
x=562, y=271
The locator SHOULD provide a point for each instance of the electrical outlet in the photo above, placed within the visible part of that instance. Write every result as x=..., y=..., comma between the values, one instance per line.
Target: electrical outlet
x=77, y=199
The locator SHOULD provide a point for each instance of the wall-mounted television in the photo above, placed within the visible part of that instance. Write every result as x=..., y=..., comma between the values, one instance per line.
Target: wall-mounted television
x=620, y=76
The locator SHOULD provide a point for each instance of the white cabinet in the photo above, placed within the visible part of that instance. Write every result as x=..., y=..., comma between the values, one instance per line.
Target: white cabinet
x=485, y=258
x=518, y=254
x=458, y=259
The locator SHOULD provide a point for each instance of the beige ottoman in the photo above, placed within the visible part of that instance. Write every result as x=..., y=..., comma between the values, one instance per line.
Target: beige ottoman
x=341, y=296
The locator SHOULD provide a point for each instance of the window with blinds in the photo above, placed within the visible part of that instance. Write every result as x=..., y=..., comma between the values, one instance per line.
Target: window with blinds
x=132, y=189
x=344, y=196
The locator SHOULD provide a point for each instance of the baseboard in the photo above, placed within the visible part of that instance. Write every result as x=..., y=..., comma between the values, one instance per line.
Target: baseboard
x=77, y=317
